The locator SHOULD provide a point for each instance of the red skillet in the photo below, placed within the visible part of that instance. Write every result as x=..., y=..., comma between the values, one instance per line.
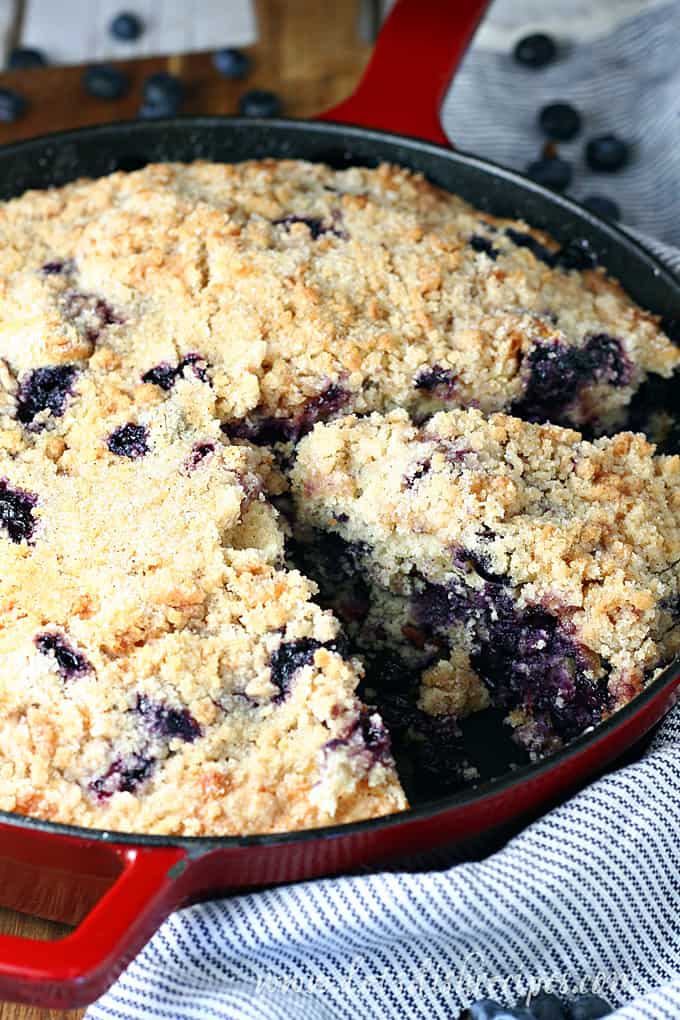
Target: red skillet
x=125, y=885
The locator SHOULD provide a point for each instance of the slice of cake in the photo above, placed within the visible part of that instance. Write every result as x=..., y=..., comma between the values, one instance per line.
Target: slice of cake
x=160, y=671
x=503, y=562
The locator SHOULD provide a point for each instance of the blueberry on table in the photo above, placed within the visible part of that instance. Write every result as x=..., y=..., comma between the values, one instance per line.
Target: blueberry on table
x=25, y=58
x=551, y=173
x=560, y=120
x=607, y=153
x=103, y=81
x=231, y=63
x=588, y=1007
x=259, y=103
x=603, y=206
x=535, y=51
x=126, y=27
x=12, y=105
x=163, y=88
x=546, y=1006
x=487, y=1009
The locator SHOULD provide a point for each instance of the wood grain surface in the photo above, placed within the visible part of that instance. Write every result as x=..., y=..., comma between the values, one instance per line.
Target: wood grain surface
x=308, y=52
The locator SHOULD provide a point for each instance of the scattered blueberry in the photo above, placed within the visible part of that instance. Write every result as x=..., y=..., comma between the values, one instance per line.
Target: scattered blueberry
x=163, y=90
x=487, y=1009
x=199, y=452
x=166, y=375
x=607, y=153
x=560, y=121
x=551, y=173
x=124, y=775
x=293, y=655
x=154, y=111
x=603, y=206
x=45, y=389
x=70, y=662
x=483, y=245
x=57, y=266
x=24, y=58
x=576, y=254
x=367, y=731
x=588, y=1007
x=168, y=722
x=259, y=103
x=437, y=380
x=12, y=105
x=103, y=81
x=316, y=226
x=16, y=512
x=535, y=51
x=546, y=1006
x=129, y=441
x=231, y=63
x=92, y=313
x=267, y=430
x=523, y=240
x=126, y=27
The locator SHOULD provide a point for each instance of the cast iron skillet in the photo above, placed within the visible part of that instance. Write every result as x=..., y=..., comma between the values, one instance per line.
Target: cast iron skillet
x=124, y=885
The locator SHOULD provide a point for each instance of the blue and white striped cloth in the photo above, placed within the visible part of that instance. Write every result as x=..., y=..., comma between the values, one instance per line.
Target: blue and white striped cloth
x=587, y=898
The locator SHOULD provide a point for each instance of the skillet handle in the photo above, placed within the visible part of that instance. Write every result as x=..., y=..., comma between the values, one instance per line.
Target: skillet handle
x=74, y=971
x=418, y=49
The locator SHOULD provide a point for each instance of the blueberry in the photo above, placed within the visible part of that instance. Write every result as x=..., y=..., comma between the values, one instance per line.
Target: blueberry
x=560, y=121
x=69, y=662
x=536, y=51
x=126, y=27
x=129, y=441
x=199, y=453
x=166, y=375
x=57, y=266
x=315, y=225
x=487, y=1009
x=163, y=90
x=12, y=105
x=124, y=775
x=155, y=111
x=168, y=722
x=43, y=389
x=103, y=81
x=293, y=655
x=602, y=206
x=483, y=244
x=16, y=512
x=24, y=58
x=588, y=1007
x=259, y=103
x=576, y=254
x=551, y=173
x=607, y=153
x=523, y=240
x=231, y=63
x=546, y=1006
x=436, y=379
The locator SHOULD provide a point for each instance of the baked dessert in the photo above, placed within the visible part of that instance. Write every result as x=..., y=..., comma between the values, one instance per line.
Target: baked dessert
x=510, y=563
x=166, y=338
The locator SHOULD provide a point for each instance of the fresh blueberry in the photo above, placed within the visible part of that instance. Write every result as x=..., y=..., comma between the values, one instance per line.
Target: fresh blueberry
x=588, y=1007
x=103, y=81
x=551, y=173
x=24, y=58
x=70, y=663
x=129, y=440
x=156, y=111
x=126, y=27
x=487, y=1009
x=535, y=51
x=546, y=1006
x=560, y=121
x=168, y=722
x=607, y=153
x=483, y=245
x=603, y=206
x=124, y=775
x=12, y=105
x=163, y=90
x=43, y=389
x=231, y=63
x=259, y=103
x=16, y=512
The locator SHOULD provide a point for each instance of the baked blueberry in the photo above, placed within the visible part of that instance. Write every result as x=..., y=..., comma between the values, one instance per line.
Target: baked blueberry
x=523, y=240
x=124, y=775
x=231, y=63
x=168, y=722
x=536, y=50
x=57, y=266
x=603, y=206
x=70, y=662
x=553, y=173
x=199, y=453
x=483, y=244
x=25, y=58
x=45, y=389
x=126, y=26
x=607, y=153
x=16, y=512
x=104, y=81
x=129, y=440
x=560, y=121
x=316, y=226
x=287, y=659
x=259, y=103
x=166, y=375
x=12, y=105
x=576, y=254
x=437, y=380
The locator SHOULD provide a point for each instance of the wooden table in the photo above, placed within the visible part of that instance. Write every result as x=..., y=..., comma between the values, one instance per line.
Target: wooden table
x=308, y=52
